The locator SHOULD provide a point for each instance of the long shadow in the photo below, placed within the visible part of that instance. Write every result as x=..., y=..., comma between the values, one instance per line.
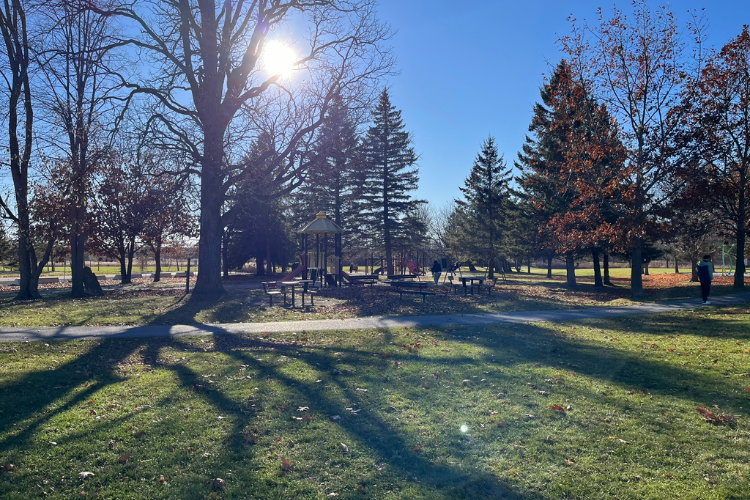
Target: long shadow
x=379, y=435
x=685, y=321
x=535, y=344
x=28, y=396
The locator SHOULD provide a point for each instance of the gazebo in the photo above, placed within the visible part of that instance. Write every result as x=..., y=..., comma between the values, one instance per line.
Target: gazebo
x=321, y=226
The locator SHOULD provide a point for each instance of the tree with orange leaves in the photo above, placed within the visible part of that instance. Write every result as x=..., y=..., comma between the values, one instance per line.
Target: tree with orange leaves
x=640, y=69
x=717, y=128
x=573, y=170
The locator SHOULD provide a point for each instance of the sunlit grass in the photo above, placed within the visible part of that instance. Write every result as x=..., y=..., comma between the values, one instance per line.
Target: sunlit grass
x=404, y=413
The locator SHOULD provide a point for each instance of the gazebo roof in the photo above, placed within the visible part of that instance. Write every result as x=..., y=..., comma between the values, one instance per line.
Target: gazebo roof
x=321, y=225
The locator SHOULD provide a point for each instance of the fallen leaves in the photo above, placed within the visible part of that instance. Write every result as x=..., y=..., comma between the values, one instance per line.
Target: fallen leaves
x=558, y=408
x=286, y=465
x=124, y=458
x=715, y=418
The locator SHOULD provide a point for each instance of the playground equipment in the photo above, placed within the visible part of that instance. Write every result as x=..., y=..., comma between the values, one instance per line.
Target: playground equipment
x=321, y=226
x=299, y=270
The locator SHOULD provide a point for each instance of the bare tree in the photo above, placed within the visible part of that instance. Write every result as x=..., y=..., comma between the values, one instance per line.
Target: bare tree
x=640, y=68
x=210, y=60
x=15, y=71
x=74, y=56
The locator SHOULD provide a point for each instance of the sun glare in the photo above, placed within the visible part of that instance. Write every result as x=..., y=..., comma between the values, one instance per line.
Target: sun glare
x=278, y=59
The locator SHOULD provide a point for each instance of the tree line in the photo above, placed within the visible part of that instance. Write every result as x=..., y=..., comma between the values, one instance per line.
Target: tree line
x=132, y=124
x=639, y=145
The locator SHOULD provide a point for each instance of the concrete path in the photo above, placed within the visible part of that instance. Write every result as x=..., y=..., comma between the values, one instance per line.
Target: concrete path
x=78, y=332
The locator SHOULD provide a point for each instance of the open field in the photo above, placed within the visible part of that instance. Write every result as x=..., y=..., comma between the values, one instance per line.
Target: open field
x=591, y=409
x=144, y=303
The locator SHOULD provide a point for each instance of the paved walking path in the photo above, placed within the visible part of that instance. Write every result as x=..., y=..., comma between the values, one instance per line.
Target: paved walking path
x=77, y=332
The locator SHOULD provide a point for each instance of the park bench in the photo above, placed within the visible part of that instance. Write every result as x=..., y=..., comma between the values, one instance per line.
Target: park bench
x=423, y=293
x=456, y=286
x=402, y=276
x=271, y=289
x=366, y=279
x=311, y=293
x=488, y=284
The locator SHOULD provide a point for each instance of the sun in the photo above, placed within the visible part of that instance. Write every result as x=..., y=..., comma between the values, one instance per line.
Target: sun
x=278, y=58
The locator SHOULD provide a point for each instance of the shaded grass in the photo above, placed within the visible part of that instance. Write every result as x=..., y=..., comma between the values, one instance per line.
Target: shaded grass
x=425, y=413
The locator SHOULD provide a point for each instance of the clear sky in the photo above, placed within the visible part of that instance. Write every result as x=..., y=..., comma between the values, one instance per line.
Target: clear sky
x=474, y=68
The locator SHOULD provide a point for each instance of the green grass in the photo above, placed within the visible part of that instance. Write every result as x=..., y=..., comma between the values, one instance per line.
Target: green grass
x=452, y=413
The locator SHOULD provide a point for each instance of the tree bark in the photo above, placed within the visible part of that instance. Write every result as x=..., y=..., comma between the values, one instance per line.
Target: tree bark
x=225, y=252
x=157, y=260
x=636, y=270
x=208, y=282
x=570, y=270
x=78, y=245
x=739, y=269
x=607, y=281
x=694, y=269
x=676, y=266
x=549, y=266
x=597, y=269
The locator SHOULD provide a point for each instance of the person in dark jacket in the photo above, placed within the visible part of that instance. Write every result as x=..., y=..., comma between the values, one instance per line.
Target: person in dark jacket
x=705, y=276
x=437, y=270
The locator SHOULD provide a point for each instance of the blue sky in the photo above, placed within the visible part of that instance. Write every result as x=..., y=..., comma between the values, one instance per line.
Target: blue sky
x=473, y=69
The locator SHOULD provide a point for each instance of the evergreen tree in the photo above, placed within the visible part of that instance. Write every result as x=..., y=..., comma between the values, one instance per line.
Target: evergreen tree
x=331, y=180
x=256, y=222
x=388, y=178
x=486, y=200
x=572, y=172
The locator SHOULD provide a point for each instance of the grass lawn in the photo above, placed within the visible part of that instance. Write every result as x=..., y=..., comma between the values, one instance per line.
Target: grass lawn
x=591, y=409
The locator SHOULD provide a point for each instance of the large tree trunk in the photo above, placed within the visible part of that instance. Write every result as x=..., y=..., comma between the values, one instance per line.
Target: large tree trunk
x=157, y=259
x=212, y=198
x=131, y=254
x=29, y=288
x=225, y=253
x=607, y=281
x=78, y=245
x=123, y=269
x=636, y=271
x=549, y=266
x=597, y=270
x=570, y=270
x=676, y=266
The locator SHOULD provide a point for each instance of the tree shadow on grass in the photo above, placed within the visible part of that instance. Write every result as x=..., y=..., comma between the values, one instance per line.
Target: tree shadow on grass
x=533, y=344
x=25, y=401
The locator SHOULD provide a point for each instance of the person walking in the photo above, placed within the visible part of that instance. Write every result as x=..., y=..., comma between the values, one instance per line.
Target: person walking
x=437, y=270
x=705, y=276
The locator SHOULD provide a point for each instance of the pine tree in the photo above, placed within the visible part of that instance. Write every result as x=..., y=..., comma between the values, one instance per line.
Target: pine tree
x=572, y=172
x=331, y=180
x=388, y=178
x=486, y=200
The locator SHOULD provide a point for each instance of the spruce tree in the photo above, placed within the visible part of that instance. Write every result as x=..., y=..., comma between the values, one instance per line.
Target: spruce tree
x=486, y=200
x=331, y=179
x=572, y=171
x=388, y=178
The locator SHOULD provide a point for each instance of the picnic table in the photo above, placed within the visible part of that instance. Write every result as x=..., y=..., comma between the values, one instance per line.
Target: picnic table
x=411, y=287
x=470, y=279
